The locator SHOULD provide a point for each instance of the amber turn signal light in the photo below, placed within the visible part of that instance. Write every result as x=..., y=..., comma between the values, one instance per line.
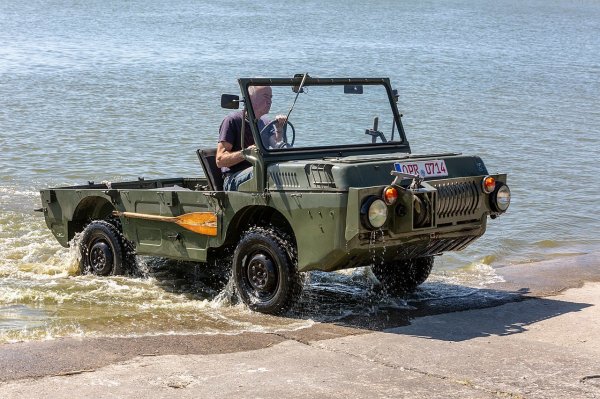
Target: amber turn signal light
x=390, y=195
x=489, y=184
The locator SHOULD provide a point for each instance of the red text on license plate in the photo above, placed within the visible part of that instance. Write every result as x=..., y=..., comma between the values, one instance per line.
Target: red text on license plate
x=433, y=168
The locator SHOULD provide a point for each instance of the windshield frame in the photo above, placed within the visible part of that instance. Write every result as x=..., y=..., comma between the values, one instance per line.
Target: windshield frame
x=399, y=145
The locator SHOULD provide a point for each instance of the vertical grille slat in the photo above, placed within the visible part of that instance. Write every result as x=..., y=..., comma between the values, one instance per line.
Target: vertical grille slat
x=443, y=198
x=474, y=198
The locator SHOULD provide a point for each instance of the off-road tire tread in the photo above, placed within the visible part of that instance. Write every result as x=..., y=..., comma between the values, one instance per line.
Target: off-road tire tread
x=119, y=249
x=282, y=243
x=129, y=256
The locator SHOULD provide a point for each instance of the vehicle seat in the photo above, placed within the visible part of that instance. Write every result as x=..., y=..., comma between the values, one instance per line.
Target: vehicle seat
x=207, y=157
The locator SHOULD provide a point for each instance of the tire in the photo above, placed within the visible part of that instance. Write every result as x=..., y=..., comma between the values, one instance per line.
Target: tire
x=403, y=276
x=265, y=271
x=102, y=249
x=127, y=247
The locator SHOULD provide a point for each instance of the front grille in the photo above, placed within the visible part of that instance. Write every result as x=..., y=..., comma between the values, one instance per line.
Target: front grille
x=457, y=199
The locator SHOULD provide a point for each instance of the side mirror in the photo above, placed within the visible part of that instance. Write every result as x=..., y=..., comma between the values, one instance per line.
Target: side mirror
x=230, y=101
x=353, y=89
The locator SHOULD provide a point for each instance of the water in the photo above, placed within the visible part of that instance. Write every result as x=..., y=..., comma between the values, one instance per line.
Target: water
x=111, y=90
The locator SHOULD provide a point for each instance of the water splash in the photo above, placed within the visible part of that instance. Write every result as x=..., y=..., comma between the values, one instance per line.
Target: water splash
x=43, y=296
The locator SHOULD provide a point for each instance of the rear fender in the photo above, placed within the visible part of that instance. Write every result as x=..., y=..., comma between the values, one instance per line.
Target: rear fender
x=88, y=209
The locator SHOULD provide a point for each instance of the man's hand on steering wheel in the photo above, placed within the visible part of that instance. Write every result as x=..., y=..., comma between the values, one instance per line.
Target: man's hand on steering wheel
x=279, y=127
x=280, y=138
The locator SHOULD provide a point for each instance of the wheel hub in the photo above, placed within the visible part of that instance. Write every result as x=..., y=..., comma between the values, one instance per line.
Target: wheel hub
x=100, y=256
x=262, y=275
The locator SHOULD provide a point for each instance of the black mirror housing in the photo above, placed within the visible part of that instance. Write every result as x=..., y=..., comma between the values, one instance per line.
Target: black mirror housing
x=230, y=101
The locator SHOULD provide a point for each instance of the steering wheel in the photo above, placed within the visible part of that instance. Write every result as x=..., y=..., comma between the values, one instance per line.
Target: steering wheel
x=286, y=143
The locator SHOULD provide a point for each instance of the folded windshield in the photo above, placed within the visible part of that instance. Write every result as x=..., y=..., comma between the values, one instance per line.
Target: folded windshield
x=327, y=116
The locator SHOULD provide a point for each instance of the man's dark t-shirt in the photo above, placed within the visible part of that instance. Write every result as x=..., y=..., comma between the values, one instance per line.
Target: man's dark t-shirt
x=230, y=131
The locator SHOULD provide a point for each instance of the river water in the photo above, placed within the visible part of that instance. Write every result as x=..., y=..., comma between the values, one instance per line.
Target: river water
x=112, y=90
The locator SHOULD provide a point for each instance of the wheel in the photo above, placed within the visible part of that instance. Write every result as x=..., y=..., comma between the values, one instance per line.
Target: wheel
x=403, y=276
x=265, y=272
x=101, y=249
x=285, y=143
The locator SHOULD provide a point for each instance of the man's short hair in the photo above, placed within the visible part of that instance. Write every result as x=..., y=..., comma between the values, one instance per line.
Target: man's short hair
x=253, y=89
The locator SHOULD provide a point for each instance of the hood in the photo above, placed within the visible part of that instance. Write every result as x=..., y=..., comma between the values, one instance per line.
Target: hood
x=357, y=171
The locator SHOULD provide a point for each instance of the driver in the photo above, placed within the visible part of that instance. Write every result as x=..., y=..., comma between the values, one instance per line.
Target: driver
x=229, y=158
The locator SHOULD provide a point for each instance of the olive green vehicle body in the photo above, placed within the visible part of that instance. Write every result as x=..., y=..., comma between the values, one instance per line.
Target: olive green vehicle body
x=315, y=196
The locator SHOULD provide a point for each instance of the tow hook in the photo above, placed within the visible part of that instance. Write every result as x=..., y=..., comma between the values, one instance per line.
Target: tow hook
x=416, y=179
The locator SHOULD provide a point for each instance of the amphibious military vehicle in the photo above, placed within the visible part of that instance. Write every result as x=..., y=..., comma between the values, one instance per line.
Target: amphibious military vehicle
x=342, y=189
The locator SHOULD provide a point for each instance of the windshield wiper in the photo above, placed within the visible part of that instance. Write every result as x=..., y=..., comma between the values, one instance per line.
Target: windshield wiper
x=298, y=91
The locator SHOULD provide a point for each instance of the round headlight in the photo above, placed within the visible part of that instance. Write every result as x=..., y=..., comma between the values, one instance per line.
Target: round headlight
x=374, y=213
x=501, y=198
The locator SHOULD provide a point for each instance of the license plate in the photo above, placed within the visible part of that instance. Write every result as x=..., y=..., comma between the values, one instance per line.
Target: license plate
x=434, y=168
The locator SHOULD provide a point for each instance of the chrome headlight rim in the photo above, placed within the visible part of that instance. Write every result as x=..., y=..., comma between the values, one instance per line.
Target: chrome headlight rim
x=500, y=198
x=374, y=213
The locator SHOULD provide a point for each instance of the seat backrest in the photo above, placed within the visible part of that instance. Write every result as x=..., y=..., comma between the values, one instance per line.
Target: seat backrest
x=207, y=157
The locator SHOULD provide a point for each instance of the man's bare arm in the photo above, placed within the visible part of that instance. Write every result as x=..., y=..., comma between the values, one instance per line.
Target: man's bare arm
x=225, y=157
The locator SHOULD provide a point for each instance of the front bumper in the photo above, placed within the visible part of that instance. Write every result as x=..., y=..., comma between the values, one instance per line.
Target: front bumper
x=384, y=245
x=440, y=216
